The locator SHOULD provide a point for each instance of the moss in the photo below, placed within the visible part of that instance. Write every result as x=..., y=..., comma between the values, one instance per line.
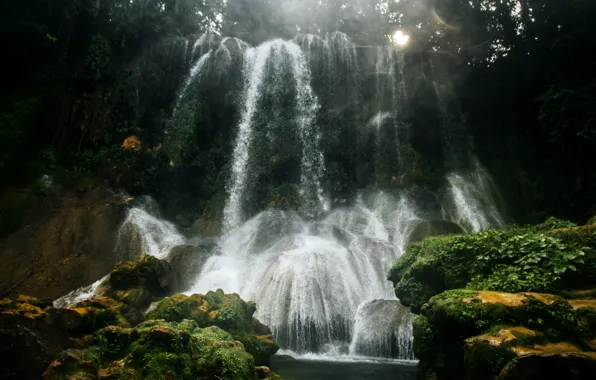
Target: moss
x=227, y=311
x=158, y=349
x=73, y=362
x=167, y=365
x=261, y=347
x=155, y=275
x=424, y=339
x=512, y=260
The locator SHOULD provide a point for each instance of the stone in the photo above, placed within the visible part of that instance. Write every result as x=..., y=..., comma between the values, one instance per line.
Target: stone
x=188, y=261
x=266, y=373
x=156, y=275
x=227, y=311
x=65, y=242
x=157, y=350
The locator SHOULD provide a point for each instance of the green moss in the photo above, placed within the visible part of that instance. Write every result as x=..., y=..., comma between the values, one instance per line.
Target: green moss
x=464, y=313
x=227, y=311
x=158, y=349
x=167, y=365
x=512, y=260
x=484, y=360
x=425, y=347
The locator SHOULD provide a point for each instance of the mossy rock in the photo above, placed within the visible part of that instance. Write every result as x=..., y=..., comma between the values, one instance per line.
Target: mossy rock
x=555, y=362
x=518, y=353
x=157, y=276
x=467, y=334
x=464, y=313
x=512, y=260
x=188, y=261
x=157, y=349
x=266, y=373
x=227, y=311
x=487, y=354
x=585, y=311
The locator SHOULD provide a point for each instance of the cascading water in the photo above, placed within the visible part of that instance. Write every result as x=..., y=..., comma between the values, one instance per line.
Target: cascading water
x=317, y=276
x=309, y=278
x=255, y=66
x=141, y=232
x=473, y=200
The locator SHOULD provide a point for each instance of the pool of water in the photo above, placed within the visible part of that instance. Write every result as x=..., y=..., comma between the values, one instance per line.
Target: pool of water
x=304, y=369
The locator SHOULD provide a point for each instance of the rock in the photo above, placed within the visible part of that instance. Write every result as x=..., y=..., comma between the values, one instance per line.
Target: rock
x=156, y=276
x=284, y=357
x=520, y=353
x=157, y=350
x=551, y=364
x=188, y=262
x=466, y=312
x=430, y=228
x=65, y=242
x=585, y=311
x=28, y=345
x=266, y=373
x=382, y=329
x=463, y=334
x=227, y=311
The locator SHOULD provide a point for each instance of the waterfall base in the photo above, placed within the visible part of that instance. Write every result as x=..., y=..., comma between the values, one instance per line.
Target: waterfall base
x=303, y=369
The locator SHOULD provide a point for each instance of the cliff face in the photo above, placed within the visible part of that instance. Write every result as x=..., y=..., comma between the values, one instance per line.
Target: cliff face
x=65, y=241
x=478, y=316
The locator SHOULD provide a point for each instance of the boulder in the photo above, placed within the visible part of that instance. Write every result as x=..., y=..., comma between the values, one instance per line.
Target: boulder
x=550, y=363
x=521, y=353
x=468, y=334
x=157, y=276
x=63, y=243
x=157, y=350
x=266, y=373
x=33, y=333
x=28, y=345
x=188, y=261
x=227, y=311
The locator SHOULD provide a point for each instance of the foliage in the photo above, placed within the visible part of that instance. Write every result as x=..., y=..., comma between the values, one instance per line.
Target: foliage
x=512, y=260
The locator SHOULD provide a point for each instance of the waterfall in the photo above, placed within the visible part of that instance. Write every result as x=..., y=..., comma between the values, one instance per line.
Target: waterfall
x=474, y=199
x=141, y=232
x=383, y=328
x=312, y=166
x=310, y=277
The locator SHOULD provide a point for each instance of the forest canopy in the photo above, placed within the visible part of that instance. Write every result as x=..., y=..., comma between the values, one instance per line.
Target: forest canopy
x=79, y=77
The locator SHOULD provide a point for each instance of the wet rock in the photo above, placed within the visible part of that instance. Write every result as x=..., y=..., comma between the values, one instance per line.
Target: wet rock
x=65, y=242
x=157, y=350
x=28, y=345
x=383, y=329
x=188, y=261
x=466, y=334
x=550, y=364
x=157, y=276
x=520, y=353
x=227, y=311
x=266, y=373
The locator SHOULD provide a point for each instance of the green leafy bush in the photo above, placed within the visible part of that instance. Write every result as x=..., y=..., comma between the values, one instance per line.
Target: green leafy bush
x=511, y=260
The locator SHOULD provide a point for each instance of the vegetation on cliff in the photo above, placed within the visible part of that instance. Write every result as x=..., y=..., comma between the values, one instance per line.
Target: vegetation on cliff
x=110, y=336
x=478, y=316
x=548, y=257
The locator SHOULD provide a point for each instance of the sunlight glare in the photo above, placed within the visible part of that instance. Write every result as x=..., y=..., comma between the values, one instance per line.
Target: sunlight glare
x=401, y=39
